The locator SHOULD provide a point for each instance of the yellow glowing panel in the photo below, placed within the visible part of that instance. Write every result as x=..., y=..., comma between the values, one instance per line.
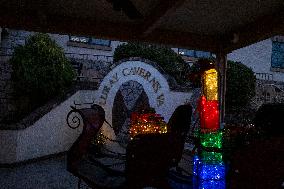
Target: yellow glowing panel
x=210, y=84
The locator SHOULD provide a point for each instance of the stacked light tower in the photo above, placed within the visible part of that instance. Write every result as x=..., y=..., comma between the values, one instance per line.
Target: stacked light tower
x=209, y=168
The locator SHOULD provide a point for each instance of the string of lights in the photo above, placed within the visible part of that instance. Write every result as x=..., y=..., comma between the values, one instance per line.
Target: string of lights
x=146, y=123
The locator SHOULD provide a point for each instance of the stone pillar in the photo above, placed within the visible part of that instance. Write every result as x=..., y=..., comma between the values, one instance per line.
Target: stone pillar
x=222, y=67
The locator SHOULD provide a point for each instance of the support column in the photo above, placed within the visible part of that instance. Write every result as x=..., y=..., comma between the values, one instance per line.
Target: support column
x=222, y=67
x=0, y=35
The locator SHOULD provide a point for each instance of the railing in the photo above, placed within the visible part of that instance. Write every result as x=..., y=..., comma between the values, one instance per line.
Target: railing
x=267, y=93
x=7, y=52
x=264, y=76
x=89, y=57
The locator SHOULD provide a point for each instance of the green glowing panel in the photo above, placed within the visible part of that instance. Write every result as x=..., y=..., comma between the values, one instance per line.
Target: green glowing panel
x=211, y=157
x=213, y=139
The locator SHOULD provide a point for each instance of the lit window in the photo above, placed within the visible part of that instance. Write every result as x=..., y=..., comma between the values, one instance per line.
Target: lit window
x=102, y=42
x=194, y=53
x=79, y=39
x=186, y=52
x=277, y=57
x=202, y=54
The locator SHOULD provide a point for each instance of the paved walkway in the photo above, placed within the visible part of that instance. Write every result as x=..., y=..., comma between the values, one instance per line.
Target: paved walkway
x=44, y=174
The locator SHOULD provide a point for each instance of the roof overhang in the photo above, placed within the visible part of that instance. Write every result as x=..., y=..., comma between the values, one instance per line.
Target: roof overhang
x=220, y=25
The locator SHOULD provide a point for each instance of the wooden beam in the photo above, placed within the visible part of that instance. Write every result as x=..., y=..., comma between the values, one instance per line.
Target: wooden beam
x=163, y=8
x=184, y=40
x=32, y=21
x=43, y=22
x=265, y=27
x=221, y=59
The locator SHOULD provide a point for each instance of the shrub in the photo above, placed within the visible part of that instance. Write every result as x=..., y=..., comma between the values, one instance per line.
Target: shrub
x=40, y=70
x=166, y=58
x=240, y=86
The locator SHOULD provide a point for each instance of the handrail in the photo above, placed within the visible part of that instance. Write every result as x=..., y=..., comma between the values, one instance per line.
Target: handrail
x=264, y=76
x=84, y=56
x=8, y=52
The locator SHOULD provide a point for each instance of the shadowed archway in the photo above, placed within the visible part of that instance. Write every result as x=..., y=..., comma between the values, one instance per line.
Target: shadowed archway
x=129, y=98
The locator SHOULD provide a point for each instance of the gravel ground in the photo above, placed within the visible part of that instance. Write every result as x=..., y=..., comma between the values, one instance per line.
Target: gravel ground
x=43, y=174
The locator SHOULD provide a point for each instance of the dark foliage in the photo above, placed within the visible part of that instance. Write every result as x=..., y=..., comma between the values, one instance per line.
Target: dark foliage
x=40, y=71
x=240, y=86
x=167, y=59
x=269, y=119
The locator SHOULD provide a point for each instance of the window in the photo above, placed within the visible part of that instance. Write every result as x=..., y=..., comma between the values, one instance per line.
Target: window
x=202, y=54
x=90, y=40
x=277, y=57
x=194, y=53
x=102, y=42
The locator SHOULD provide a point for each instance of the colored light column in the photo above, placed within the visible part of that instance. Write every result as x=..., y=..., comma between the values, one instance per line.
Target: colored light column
x=208, y=167
x=208, y=175
x=208, y=104
x=210, y=84
x=211, y=139
x=209, y=115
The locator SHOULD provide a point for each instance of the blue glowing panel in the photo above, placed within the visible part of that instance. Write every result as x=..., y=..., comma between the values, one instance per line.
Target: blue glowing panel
x=196, y=165
x=209, y=172
x=212, y=184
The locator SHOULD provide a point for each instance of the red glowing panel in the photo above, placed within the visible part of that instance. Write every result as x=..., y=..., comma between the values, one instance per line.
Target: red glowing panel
x=209, y=114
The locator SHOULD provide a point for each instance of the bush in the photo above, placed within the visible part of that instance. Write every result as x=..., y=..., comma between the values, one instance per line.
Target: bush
x=240, y=86
x=40, y=70
x=166, y=58
x=269, y=119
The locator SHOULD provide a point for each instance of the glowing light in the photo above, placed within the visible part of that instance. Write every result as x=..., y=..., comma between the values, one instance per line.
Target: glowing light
x=212, y=139
x=147, y=123
x=211, y=157
x=208, y=168
x=209, y=114
x=210, y=84
x=210, y=184
x=208, y=171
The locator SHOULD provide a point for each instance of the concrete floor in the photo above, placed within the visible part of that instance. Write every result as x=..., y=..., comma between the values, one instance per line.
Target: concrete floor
x=46, y=174
x=43, y=174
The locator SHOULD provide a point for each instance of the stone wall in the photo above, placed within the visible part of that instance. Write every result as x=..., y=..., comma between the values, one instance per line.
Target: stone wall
x=10, y=39
x=126, y=86
x=94, y=69
x=48, y=135
x=7, y=107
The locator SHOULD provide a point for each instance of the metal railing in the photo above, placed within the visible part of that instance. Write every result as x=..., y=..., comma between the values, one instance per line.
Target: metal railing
x=264, y=76
x=93, y=57
x=8, y=51
x=267, y=93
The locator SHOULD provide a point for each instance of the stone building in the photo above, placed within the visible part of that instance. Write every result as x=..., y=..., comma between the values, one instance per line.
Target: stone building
x=266, y=59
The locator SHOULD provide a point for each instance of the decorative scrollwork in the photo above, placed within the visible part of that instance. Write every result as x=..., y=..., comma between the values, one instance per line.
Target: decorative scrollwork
x=74, y=119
